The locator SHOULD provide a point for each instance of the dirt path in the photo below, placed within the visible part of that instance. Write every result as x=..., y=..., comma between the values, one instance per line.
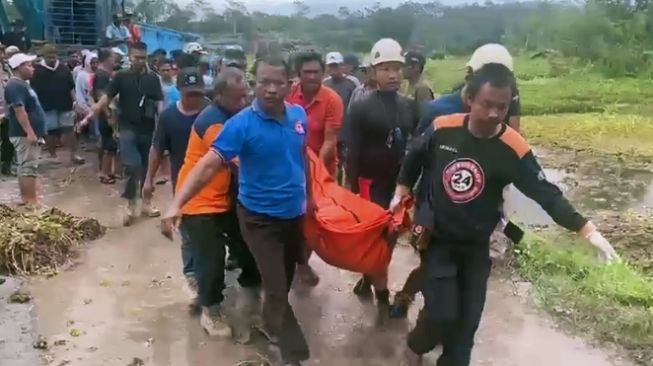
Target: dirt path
x=126, y=298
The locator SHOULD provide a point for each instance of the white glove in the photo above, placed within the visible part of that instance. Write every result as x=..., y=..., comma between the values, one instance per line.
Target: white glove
x=607, y=251
x=395, y=203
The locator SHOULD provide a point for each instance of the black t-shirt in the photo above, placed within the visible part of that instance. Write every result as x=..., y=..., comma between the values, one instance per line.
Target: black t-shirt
x=54, y=87
x=466, y=176
x=134, y=90
x=172, y=133
x=101, y=82
x=22, y=41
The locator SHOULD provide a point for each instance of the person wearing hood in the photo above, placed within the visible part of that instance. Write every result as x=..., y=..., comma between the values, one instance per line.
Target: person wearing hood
x=83, y=83
x=55, y=87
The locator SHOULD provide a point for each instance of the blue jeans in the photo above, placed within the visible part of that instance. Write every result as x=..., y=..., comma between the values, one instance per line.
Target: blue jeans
x=134, y=153
x=186, y=252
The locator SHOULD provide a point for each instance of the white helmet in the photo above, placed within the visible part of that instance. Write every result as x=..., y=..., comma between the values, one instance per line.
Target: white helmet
x=192, y=47
x=491, y=53
x=386, y=50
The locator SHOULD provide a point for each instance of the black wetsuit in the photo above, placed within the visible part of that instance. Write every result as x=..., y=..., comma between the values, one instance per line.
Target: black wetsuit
x=466, y=180
x=380, y=127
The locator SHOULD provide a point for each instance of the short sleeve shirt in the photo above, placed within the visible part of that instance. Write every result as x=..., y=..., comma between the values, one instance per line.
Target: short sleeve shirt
x=324, y=111
x=172, y=133
x=18, y=93
x=132, y=88
x=272, y=175
x=215, y=197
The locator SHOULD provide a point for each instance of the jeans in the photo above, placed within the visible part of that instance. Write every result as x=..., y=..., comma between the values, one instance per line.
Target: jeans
x=134, y=154
x=186, y=252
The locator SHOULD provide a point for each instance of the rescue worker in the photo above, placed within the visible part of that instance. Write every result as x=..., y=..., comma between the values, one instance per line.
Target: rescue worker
x=470, y=159
x=415, y=86
x=379, y=128
x=325, y=113
x=209, y=218
x=455, y=102
x=268, y=139
x=445, y=105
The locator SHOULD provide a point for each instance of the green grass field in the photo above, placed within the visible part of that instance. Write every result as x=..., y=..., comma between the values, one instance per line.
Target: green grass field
x=576, y=109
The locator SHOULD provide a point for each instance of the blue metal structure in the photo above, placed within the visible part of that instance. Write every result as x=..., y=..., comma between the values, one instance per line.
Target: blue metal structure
x=82, y=23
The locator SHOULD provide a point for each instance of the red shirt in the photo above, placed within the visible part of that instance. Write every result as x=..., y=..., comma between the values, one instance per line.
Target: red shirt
x=325, y=111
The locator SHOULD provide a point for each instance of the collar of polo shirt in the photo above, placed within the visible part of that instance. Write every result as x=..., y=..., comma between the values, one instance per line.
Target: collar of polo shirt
x=259, y=111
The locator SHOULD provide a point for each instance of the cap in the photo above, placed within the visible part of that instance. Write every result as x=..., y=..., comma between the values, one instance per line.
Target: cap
x=415, y=57
x=386, y=50
x=193, y=47
x=12, y=50
x=118, y=51
x=352, y=60
x=49, y=49
x=189, y=79
x=232, y=62
x=334, y=58
x=491, y=53
x=18, y=59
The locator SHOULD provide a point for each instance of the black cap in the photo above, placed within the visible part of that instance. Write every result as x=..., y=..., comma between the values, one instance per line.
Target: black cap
x=351, y=60
x=415, y=57
x=190, y=79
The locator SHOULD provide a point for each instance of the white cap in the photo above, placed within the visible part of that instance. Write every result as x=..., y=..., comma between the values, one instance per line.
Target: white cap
x=193, y=47
x=12, y=50
x=491, y=53
x=20, y=58
x=118, y=51
x=386, y=50
x=334, y=58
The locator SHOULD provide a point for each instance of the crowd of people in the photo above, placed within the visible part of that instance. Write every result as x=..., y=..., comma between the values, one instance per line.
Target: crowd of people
x=236, y=160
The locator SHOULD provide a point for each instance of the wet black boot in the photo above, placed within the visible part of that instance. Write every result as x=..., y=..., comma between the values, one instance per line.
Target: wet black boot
x=382, y=306
x=363, y=288
x=399, y=309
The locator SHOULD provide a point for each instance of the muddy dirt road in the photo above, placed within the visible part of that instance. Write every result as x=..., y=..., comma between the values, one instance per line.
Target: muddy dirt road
x=125, y=298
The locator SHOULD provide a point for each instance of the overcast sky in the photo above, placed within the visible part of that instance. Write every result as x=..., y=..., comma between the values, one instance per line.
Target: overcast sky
x=316, y=6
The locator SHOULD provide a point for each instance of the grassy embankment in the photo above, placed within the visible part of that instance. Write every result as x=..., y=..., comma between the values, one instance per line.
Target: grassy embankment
x=579, y=110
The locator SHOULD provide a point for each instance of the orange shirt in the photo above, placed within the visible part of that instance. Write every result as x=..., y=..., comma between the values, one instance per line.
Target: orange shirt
x=324, y=111
x=216, y=196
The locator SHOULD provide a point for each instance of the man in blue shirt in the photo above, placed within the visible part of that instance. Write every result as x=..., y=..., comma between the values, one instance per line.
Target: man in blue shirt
x=268, y=139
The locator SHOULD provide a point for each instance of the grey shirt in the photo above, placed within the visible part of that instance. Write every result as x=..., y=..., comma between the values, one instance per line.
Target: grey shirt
x=18, y=93
x=345, y=88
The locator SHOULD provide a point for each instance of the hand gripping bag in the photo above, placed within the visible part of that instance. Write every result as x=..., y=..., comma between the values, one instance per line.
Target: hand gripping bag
x=346, y=230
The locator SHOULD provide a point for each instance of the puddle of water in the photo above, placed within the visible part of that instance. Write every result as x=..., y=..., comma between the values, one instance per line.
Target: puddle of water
x=591, y=183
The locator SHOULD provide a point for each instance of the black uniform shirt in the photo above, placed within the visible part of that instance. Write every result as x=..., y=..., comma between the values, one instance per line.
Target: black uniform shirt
x=379, y=128
x=467, y=176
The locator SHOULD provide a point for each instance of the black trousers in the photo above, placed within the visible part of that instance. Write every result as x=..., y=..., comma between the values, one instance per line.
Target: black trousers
x=6, y=148
x=277, y=247
x=209, y=236
x=455, y=287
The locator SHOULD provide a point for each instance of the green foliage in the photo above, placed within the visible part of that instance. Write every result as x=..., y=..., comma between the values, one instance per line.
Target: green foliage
x=610, y=302
x=605, y=133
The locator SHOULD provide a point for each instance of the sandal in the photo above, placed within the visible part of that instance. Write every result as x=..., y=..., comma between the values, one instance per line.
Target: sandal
x=107, y=180
x=161, y=181
x=78, y=160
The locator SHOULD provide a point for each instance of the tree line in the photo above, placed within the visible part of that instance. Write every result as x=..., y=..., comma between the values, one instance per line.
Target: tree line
x=614, y=36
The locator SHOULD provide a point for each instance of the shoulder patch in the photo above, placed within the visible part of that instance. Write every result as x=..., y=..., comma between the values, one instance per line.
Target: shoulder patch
x=449, y=121
x=515, y=141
